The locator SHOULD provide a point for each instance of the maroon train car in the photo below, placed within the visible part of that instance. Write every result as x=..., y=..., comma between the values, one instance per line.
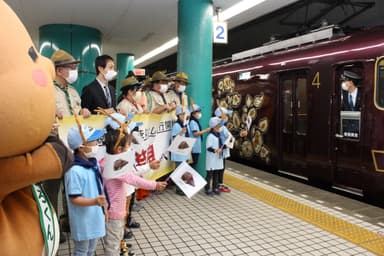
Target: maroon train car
x=290, y=93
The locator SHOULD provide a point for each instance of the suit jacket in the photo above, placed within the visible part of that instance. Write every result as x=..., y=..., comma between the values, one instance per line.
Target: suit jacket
x=345, y=104
x=93, y=96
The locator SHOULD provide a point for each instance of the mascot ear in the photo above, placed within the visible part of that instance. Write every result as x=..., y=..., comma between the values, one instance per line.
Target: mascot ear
x=27, y=100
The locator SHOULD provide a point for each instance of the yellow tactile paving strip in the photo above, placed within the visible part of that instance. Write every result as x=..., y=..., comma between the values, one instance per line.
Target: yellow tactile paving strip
x=364, y=238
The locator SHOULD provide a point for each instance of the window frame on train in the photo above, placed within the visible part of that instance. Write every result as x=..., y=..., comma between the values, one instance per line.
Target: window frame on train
x=379, y=84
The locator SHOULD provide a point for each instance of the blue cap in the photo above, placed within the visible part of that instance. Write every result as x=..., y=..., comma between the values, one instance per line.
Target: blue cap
x=133, y=125
x=214, y=121
x=220, y=111
x=179, y=110
x=122, y=119
x=194, y=108
x=90, y=134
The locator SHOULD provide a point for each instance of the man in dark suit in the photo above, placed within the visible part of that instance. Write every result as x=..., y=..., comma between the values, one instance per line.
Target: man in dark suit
x=351, y=94
x=99, y=93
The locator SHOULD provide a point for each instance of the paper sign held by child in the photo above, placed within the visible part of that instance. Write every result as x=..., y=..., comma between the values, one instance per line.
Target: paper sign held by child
x=187, y=179
x=119, y=164
x=182, y=145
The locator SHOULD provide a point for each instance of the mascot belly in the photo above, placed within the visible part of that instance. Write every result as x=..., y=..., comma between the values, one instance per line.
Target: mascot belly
x=28, y=154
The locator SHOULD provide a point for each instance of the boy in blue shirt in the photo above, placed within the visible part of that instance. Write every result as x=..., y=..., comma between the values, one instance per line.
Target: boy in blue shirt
x=214, y=157
x=180, y=128
x=84, y=191
x=196, y=132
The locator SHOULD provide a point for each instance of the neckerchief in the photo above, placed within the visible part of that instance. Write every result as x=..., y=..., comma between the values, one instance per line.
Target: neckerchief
x=67, y=97
x=162, y=96
x=198, y=123
x=217, y=135
x=92, y=164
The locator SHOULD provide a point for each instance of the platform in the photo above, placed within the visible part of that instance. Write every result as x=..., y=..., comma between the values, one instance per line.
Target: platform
x=264, y=214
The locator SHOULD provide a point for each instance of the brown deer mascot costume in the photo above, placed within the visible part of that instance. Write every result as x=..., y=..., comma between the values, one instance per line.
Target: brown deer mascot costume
x=28, y=153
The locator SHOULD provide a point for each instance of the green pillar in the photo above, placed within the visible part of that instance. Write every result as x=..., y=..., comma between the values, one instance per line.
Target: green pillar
x=82, y=42
x=195, y=57
x=125, y=63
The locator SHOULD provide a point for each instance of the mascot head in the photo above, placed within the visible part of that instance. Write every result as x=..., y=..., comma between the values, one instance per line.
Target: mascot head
x=27, y=100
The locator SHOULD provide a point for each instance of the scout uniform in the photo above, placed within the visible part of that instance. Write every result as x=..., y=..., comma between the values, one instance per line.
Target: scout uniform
x=157, y=98
x=126, y=105
x=179, y=97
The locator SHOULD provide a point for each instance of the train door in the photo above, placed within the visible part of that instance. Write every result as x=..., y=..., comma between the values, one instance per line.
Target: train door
x=348, y=113
x=293, y=116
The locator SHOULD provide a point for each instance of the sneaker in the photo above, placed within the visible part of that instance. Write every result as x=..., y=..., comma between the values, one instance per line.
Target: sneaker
x=128, y=235
x=216, y=192
x=223, y=188
x=133, y=224
x=209, y=193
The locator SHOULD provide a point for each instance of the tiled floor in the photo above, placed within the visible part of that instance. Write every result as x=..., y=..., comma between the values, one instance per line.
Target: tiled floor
x=230, y=224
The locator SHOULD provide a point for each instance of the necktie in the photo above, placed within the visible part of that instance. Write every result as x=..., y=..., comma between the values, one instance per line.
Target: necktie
x=107, y=96
x=351, y=102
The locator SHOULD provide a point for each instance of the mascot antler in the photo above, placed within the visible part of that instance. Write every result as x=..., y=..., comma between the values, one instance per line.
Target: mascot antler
x=122, y=129
x=79, y=126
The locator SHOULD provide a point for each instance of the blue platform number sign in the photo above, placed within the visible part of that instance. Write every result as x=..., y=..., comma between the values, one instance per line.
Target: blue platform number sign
x=220, y=32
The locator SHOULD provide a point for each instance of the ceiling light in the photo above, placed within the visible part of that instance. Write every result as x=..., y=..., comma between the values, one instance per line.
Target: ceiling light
x=224, y=15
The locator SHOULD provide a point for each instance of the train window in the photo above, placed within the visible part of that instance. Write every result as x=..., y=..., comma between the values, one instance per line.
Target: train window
x=379, y=89
x=287, y=106
x=301, y=99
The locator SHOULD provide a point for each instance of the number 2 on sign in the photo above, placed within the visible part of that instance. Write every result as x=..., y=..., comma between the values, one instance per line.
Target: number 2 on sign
x=316, y=80
x=221, y=32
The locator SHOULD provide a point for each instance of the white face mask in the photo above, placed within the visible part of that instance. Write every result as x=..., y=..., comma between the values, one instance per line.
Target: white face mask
x=344, y=86
x=110, y=75
x=198, y=115
x=181, y=88
x=163, y=88
x=72, y=76
x=93, y=153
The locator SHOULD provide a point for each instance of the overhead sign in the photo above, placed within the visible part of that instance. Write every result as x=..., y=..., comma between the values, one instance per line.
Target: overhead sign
x=220, y=32
x=139, y=71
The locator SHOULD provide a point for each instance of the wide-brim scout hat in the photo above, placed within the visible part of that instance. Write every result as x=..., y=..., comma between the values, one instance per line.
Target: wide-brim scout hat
x=159, y=76
x=130, y=83
x=62, y=58
x=182, y=77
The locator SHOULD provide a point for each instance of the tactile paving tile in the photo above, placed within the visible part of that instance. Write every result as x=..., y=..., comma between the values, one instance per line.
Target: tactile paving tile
x=351, y=232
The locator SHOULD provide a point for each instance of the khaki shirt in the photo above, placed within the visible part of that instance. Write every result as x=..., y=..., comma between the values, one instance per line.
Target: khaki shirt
x=157, y=100
x=62, y=105
x=172, y=96
x=127, y=107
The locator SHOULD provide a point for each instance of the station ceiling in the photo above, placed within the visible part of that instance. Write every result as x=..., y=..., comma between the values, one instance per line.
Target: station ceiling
x=127, y=26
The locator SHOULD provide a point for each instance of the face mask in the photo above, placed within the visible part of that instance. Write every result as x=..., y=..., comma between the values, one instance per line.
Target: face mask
x=163, y=88
x=72, y=76
x=93, y=152
x=344, y=86
x=110, y=75
x=198, y=115
x=224, y=121
x=181, y=88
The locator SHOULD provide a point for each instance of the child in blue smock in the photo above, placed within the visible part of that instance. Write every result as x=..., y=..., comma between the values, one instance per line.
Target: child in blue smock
x=214, y=156
x=223, y=113
x=196, y=132
x=180, y=128
x=85, y=192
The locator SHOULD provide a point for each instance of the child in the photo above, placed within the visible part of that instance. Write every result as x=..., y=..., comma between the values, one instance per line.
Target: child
x=84, y=191
x=180, y=128
x=223, y=113
x=214, y=156
x=196, y=132
x=117, y=187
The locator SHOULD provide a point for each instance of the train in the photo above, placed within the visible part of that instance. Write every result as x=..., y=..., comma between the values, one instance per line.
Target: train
x=288, y=95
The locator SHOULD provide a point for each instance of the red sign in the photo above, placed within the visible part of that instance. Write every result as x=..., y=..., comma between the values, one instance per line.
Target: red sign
x=139, y=72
